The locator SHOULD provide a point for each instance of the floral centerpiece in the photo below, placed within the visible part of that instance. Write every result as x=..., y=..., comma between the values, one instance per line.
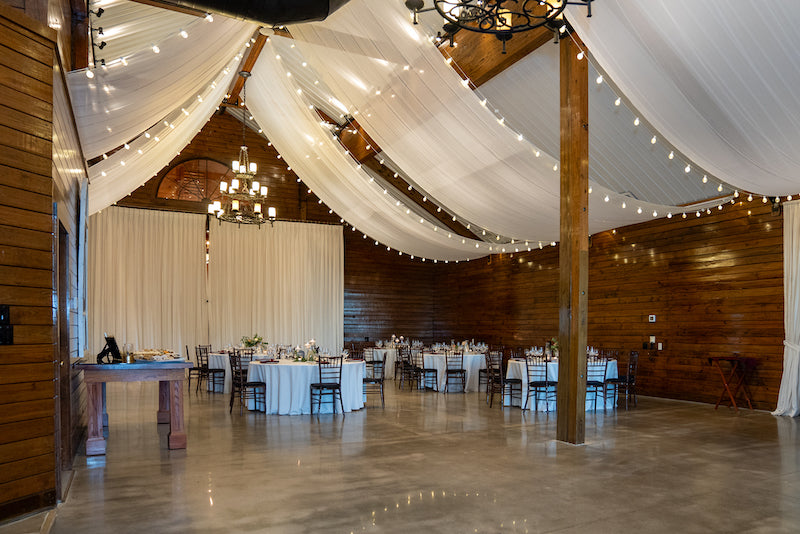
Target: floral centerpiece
x=554, y=346
x=309, y=355
x=252, y=341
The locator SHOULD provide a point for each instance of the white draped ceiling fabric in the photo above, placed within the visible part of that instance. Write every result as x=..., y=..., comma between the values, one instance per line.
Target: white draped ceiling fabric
x=152, y=104
x=122, y=101
x=789, y=394
x=718, y=79
x=331, y=173
x=439, y=132
x=284, y=282
x=146, y=279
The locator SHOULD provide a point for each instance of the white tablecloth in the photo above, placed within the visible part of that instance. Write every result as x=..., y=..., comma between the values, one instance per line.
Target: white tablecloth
x=288, y=386
x=472, y=362
x=517, y=369
x=391, y=356
x=220, y=360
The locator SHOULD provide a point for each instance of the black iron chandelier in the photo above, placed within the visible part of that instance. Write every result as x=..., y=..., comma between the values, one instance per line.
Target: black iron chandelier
x=502, y=18
x=245, y=197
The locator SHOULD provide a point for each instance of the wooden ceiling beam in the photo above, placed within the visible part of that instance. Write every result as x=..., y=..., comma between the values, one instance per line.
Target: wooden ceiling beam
x=479, y=57
x=249, y=61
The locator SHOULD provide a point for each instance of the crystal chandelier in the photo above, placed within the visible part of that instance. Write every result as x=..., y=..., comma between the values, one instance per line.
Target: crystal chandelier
x=243, y=200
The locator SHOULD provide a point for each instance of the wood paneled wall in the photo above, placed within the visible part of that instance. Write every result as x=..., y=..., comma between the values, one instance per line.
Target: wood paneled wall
x=69, y=187
x=386, y=294
x=27, y=410
x=715, y=285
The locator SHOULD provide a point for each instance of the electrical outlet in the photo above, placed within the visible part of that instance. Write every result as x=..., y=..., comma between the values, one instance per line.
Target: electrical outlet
x=6, y=334
x=660, y=346
x=651, y=318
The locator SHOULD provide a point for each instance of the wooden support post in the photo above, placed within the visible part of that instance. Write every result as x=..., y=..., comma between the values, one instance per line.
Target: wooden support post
x=574, y=245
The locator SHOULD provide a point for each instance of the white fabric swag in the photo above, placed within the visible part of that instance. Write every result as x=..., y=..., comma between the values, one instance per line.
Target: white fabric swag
x=789, y=395
x=284, y=282
x=146, y=279
x=122, y=101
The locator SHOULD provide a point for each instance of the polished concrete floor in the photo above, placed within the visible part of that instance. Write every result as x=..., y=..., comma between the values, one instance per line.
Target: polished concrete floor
x=436, y=463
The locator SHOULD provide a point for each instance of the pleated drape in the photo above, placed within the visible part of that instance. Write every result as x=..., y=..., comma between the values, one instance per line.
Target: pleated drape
x=789, y=394
x=284, y=282
x=146, y=279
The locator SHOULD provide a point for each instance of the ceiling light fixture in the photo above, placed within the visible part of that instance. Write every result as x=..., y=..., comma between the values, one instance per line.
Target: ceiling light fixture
x=501, y=18
x=245, y=196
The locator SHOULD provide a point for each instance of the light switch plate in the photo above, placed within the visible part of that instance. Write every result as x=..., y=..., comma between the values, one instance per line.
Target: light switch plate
x=651, y=318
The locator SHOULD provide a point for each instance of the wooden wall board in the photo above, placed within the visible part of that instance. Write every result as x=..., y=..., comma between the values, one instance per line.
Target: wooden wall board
x=27, y=371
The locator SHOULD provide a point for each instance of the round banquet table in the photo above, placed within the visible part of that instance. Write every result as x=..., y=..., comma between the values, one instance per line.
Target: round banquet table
x=472, y=363
x=517, y=369
x=288, y=386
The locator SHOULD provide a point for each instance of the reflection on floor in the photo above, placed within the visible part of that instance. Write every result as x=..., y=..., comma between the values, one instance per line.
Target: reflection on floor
x=430, y=462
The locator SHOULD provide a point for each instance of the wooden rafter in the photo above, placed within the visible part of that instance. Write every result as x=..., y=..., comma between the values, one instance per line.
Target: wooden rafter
x=478, y=56
x=249, y=61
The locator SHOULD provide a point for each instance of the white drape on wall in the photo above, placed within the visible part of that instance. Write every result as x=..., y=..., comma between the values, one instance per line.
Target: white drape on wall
x=284, y=282
x=789, y=395
x=146, y=279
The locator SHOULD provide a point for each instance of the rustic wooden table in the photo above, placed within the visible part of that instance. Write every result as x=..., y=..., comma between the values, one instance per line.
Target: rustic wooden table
x=170, y=376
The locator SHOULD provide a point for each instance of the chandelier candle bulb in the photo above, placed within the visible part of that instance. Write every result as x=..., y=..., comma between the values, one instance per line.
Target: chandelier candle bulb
x=264, y=190
x=223, y=187
x=235, y=205
x=257, y=208
x=234, y=184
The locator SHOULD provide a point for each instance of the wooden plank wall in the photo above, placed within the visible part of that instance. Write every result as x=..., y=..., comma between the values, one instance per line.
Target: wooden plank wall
x=385, y=294
x=715, y=285
x=27, y=454
x=69, y=178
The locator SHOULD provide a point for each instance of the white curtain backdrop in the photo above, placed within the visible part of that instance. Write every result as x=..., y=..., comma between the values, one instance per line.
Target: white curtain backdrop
x=284, y=282
x=146, y=279
x=789, y=395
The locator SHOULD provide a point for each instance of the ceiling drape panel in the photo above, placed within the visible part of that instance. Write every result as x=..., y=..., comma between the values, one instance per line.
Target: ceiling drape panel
x=622, y=156
x=125, y=170
x=717, y=79
x=284, y=282
x=146, y=279
x=324, y=165
x=438, y=132
x=122, y=101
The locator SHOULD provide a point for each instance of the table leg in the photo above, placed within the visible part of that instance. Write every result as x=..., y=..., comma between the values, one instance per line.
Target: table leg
x=725, y=383
x=95, y=443
x=105, y=412
x=741, y=384
x=176, y=438
x=163, y=402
